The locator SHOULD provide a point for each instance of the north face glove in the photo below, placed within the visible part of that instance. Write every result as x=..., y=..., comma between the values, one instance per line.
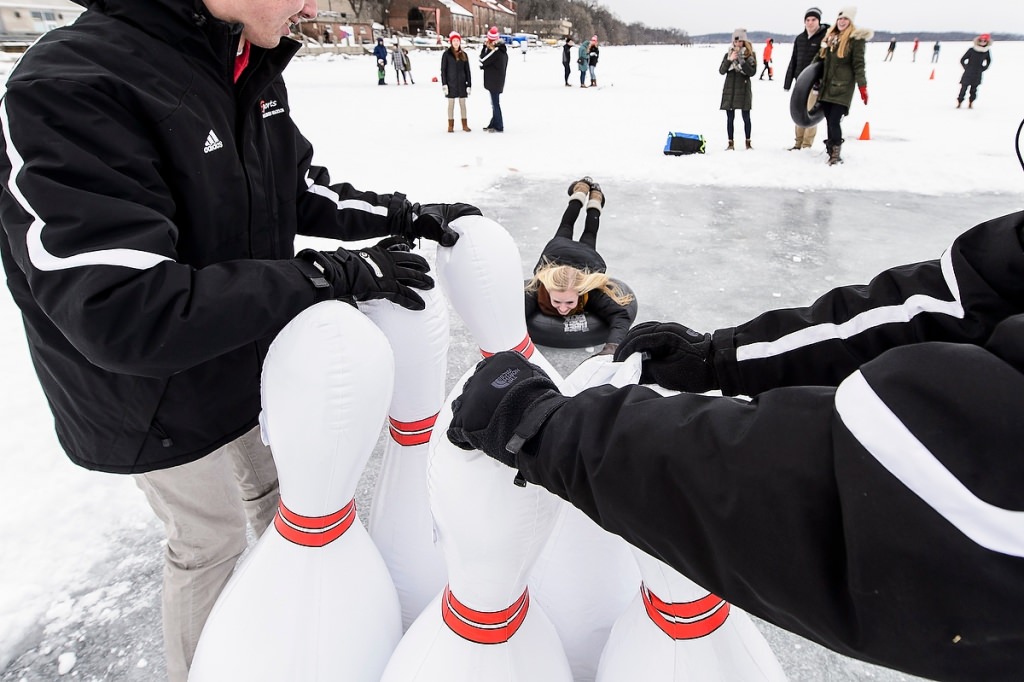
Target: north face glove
x=676, y=357
x=386, y=270
x=503, y=404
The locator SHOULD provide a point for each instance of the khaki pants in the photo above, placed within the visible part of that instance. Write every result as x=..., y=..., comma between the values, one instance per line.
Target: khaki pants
x=204, y=506
x=805, y=136
x=451, y=107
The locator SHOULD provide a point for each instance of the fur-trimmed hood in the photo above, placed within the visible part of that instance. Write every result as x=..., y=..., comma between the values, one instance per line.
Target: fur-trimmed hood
x=864, y=34
x=981, y=48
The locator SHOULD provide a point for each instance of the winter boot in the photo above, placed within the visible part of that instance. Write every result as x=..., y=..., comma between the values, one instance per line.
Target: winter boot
x=593, y=83
x=731, y=146
x=580, y=189
x=465, y=126
x=958, y=103
x=451, y=125
x=833, y=153
x=970, y=104
x=596, y=197
x=748, y=144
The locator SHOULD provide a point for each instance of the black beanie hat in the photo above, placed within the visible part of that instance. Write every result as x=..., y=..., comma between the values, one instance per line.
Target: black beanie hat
x=813, y=12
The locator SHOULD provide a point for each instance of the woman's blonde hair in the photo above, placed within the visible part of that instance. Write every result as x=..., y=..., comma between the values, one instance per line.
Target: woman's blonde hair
x=556, y=277
x=831, y=37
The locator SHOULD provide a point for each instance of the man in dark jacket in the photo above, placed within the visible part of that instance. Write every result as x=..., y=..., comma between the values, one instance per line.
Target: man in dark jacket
x=567, y=59
x=805, y=46
x=494, y=62
x=869, y=496
x=149, y=218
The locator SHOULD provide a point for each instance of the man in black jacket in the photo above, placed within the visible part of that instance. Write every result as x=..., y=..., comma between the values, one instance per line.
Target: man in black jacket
x=805, y=46
x=153, y=186
x=869, y=495
x=567, y=59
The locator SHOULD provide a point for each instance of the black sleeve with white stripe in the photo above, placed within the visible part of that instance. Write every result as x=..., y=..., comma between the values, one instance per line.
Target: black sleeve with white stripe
x=883, y=519
x=959, y=297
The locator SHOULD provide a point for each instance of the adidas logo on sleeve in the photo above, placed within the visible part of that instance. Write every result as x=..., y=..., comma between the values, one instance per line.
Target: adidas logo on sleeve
x=213, y=143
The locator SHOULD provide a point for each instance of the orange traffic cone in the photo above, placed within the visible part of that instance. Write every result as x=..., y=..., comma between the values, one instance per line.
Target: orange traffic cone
x=866, y=133
x=932, y=77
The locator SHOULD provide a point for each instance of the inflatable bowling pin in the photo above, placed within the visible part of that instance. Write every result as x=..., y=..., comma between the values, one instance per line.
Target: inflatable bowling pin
x=313, y=601
x=586, y=577
x=675, y=631
x=400, y=522
x=482, y=277
x=484, y=625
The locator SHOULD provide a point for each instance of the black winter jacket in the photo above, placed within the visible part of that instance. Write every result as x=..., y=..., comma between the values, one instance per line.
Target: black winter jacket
x=494, y=62
x=870, y=496
x=149, y=209
x=975, y=62
x=455, y=73
x=804, y=50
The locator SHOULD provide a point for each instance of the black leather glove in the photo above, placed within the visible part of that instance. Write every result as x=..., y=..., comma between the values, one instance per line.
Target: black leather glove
x=386, y=270
x=503, y=405
x=431, y=221
x=676, y=357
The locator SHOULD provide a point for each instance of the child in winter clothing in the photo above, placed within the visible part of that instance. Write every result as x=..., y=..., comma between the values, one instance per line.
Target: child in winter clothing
x=380, y=53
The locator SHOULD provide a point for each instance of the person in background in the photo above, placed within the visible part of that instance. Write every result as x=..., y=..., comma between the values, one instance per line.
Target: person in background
x=935, y=52
x=805, y=47
x=583, y=63
x=975, y=62
x=570, y=276
x=456, y=79
x=494, y=62
x=380, y=53
x=891, y=50
x=842, y=50
x=593, y=53
x=913, y=51
x=328, y=35
x=738, y=66
x=767, y=59
x=148, y=239
x=407, y=66
x=876, y=465
x=523, y=47
x=567, y=59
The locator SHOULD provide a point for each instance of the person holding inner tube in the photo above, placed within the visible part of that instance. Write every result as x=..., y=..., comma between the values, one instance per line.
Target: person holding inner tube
x=570, y=276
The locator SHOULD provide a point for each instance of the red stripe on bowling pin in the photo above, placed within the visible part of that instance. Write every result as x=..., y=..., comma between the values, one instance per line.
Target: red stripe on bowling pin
x=525, y=348
x=314, y=531
x=411, y=433
x=686, y=620
x=483, y=627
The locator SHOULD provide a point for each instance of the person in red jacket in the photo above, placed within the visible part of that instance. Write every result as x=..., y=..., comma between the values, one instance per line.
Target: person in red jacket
x=766, y=57
x=868, y=494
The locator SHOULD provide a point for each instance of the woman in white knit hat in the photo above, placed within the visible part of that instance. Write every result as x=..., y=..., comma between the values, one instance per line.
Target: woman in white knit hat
x=842, y=50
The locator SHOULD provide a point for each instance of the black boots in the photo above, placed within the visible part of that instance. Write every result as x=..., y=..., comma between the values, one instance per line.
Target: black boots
x=833, y=152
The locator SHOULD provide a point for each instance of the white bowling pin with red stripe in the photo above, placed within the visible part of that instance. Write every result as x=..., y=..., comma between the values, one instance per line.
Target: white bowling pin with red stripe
x=313, y=601
x=676, y=631
x=484, y=625
x=482, y=277
x=586, y=577
x=400, y=522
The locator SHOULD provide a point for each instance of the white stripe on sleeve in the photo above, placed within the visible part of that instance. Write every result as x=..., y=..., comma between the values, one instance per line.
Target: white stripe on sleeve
x=42, y=259
x=352, y=204
x=889, y=441
x=903, y=312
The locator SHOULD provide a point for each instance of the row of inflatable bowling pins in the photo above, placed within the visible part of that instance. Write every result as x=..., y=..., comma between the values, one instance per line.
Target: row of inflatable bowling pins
x=493, y=581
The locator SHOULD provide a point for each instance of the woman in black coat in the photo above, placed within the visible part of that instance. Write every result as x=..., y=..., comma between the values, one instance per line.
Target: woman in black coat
x=494, y=62
x=456, y=80
x=975, y=61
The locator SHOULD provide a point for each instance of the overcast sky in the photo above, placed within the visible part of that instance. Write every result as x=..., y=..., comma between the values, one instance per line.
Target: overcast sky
x=786, y=16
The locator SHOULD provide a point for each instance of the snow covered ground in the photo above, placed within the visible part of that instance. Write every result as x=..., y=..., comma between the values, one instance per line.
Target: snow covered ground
x=708, y=240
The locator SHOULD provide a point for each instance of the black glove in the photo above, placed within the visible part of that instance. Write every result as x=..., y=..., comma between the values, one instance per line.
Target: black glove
x=676, y=357
x=431, y=221
x=503, y=405
x=386, y=270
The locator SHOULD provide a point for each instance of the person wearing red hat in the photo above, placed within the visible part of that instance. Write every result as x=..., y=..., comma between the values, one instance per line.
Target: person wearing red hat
x=593, y=52
x=494, y=62
x=975, y=61
x=456, y=79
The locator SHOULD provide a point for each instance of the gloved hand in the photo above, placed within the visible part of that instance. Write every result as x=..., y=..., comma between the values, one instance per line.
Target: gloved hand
x=469, y=91
x=607, y=349
x=864, y=93
x=444, y=88
x=503, y=404
x=679, y=357
x=386, y=270
x=431, y=221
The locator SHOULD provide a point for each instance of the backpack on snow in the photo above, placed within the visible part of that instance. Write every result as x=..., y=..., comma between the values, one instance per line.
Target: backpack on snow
x=679, y=144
